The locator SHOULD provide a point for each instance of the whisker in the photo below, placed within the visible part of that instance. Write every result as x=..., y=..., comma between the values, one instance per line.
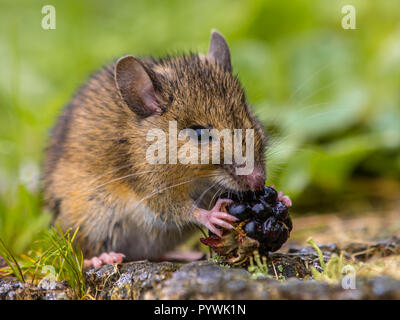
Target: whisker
x=308, y=80
x=124, y=177
x=317, y=91
x=212, y=199
x=170, y=187
x=164, y=189
x=131, y=175
x=109, y=172
x=127, y=176
x=203, y=194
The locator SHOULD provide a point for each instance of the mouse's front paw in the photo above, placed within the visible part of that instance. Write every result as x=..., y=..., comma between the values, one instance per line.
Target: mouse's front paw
x=215, y=217
x=285, y=199
x=282, y=198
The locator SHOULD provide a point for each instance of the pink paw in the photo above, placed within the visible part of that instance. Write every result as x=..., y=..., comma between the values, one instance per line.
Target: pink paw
x=104, y=258
x=285, y=199
x=215, y=217
x=281, y=197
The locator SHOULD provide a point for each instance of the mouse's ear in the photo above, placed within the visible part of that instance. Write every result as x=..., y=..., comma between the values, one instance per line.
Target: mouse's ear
x=219, y=50
x=136, y=87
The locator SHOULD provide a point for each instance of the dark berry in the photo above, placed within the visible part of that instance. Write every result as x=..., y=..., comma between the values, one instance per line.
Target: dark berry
x=283, y=235
x=261, y=212
x=230, y=195
x=267, y=208
x=257, y=208
x=288, y=223
x=281, y=212
x=259, y=193
x=250, y=196
x=273, y=245
x=266, y=219
x=241, y=196
x=239, y=210
x=270, y=195
x=271, y=229
x=253, y=229
x=284, y=230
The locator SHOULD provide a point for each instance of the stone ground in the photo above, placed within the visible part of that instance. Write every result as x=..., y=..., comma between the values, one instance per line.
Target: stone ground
x=289, y=273
x=289, y=278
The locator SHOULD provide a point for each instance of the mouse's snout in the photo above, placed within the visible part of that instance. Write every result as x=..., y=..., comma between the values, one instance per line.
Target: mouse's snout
x=256, y=179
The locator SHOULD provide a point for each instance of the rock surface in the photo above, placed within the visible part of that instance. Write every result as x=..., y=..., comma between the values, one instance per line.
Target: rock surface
x=127, y=281
x=12, y=289
x=289, y=277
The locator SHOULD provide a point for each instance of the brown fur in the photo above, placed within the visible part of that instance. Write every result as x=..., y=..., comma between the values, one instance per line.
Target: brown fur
x=98, y=141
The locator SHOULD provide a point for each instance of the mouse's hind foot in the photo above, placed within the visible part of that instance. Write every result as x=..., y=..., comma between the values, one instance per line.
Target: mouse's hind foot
x=104, y=258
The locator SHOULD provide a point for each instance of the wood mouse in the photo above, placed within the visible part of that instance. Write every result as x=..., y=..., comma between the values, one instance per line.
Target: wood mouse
x=95, y=173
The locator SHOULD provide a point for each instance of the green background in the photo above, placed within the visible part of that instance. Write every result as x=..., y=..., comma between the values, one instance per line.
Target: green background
x=328, y=96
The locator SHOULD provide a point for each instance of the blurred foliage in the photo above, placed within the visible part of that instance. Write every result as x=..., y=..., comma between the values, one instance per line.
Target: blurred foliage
x=328, y=96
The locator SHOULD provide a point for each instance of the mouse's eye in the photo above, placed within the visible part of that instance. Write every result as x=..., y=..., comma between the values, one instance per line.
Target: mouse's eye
x=203, y=134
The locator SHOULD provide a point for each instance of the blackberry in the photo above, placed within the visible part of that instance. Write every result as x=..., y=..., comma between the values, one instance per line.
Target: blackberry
x=253, y=230
x=260, y=211
x=239, y=210
x=288, y=223
x=281, y=212
x=250, y=196
x=280, y=235
x=271, y=229
x=270, y=195
x=267, y=219
x=258, y=208
x=264, y=224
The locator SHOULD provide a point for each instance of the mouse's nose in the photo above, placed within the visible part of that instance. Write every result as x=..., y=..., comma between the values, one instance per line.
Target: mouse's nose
x=256, y=179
